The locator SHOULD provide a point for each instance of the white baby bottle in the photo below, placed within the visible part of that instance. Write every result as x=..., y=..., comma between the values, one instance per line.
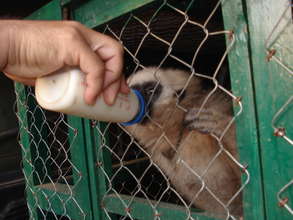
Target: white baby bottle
x=63, y=92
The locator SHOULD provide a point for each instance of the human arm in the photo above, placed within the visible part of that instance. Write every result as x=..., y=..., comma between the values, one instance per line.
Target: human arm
x=30, y=49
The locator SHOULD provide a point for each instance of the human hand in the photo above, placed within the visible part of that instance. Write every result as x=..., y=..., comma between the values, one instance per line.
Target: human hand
x=30, y=49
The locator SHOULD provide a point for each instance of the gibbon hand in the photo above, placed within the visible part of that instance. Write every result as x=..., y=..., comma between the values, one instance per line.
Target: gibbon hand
x=30, y=49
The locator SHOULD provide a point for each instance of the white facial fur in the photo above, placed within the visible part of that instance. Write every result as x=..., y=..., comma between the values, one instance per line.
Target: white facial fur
x=171, y=81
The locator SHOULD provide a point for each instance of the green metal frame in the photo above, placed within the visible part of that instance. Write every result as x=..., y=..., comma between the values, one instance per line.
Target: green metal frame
x=263, y=87
x=93, y=13
x=273, y=87
x=242, y=86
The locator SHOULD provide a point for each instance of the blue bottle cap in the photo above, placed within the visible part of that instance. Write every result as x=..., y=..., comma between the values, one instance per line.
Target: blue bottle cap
x=138, y=118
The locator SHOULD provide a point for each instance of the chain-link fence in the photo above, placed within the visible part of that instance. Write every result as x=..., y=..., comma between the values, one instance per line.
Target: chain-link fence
x=52, y=170
x=184, y=151
x=182, y=161
x=279, y=51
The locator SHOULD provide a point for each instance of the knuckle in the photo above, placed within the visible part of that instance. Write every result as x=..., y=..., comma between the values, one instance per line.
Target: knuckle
x=71, y=33
x=119, y=48
x=74, y=24
x=115, y=45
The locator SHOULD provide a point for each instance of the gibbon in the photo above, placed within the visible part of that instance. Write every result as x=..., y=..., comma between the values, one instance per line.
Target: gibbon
x=183, y=143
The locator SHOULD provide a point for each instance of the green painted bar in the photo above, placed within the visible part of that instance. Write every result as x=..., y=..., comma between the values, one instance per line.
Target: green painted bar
x=93, y=178
x=95, y=12
x=79, y=160
x=65, y=2
x=59, y=202
x=141, y=209
x=98, y=182
x=273, y=87
x=242, y=86
x=106, y=161
x=51, y=11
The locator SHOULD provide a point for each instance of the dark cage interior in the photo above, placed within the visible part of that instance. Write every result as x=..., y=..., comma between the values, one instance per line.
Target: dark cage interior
x=159, y=34
x=184, y=35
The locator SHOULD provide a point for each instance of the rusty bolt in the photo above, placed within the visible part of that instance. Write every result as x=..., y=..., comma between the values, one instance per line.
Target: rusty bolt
x=75, y=131
x=271, y=53
x=82, y=214
x=283, y=202
x=93, y=123
x=280, y=132
x=238, y=100
x=244, y=168
x=157, y=214
x=99, y=164
x=127, y=210
x=230, y=35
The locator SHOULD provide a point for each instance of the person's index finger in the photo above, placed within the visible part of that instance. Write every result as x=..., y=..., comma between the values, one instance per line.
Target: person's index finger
x=109, y=50
x=94, y=68
x=112, y=55
x=110, y=93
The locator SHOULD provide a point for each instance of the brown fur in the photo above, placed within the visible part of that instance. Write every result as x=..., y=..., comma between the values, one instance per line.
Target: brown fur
x=183, y=153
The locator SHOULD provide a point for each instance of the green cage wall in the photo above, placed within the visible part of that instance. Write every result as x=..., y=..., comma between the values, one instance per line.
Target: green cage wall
x=81, y=169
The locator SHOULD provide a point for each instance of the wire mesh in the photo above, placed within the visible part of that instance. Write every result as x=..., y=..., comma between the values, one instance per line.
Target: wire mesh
x=190, y=37
x=48, y=167
x=279, y=51
x=182, y=35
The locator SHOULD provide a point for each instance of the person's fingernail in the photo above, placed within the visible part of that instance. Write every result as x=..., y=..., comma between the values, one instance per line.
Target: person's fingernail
x=90, y=102
x=110, y=96
x=89, y=99
x=94, y=99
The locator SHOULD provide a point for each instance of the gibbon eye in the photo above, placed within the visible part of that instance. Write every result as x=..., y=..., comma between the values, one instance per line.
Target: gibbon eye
x=150, y=86
x=150, y=91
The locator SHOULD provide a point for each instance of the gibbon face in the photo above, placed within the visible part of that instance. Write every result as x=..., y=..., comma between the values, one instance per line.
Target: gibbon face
x=162, y=87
